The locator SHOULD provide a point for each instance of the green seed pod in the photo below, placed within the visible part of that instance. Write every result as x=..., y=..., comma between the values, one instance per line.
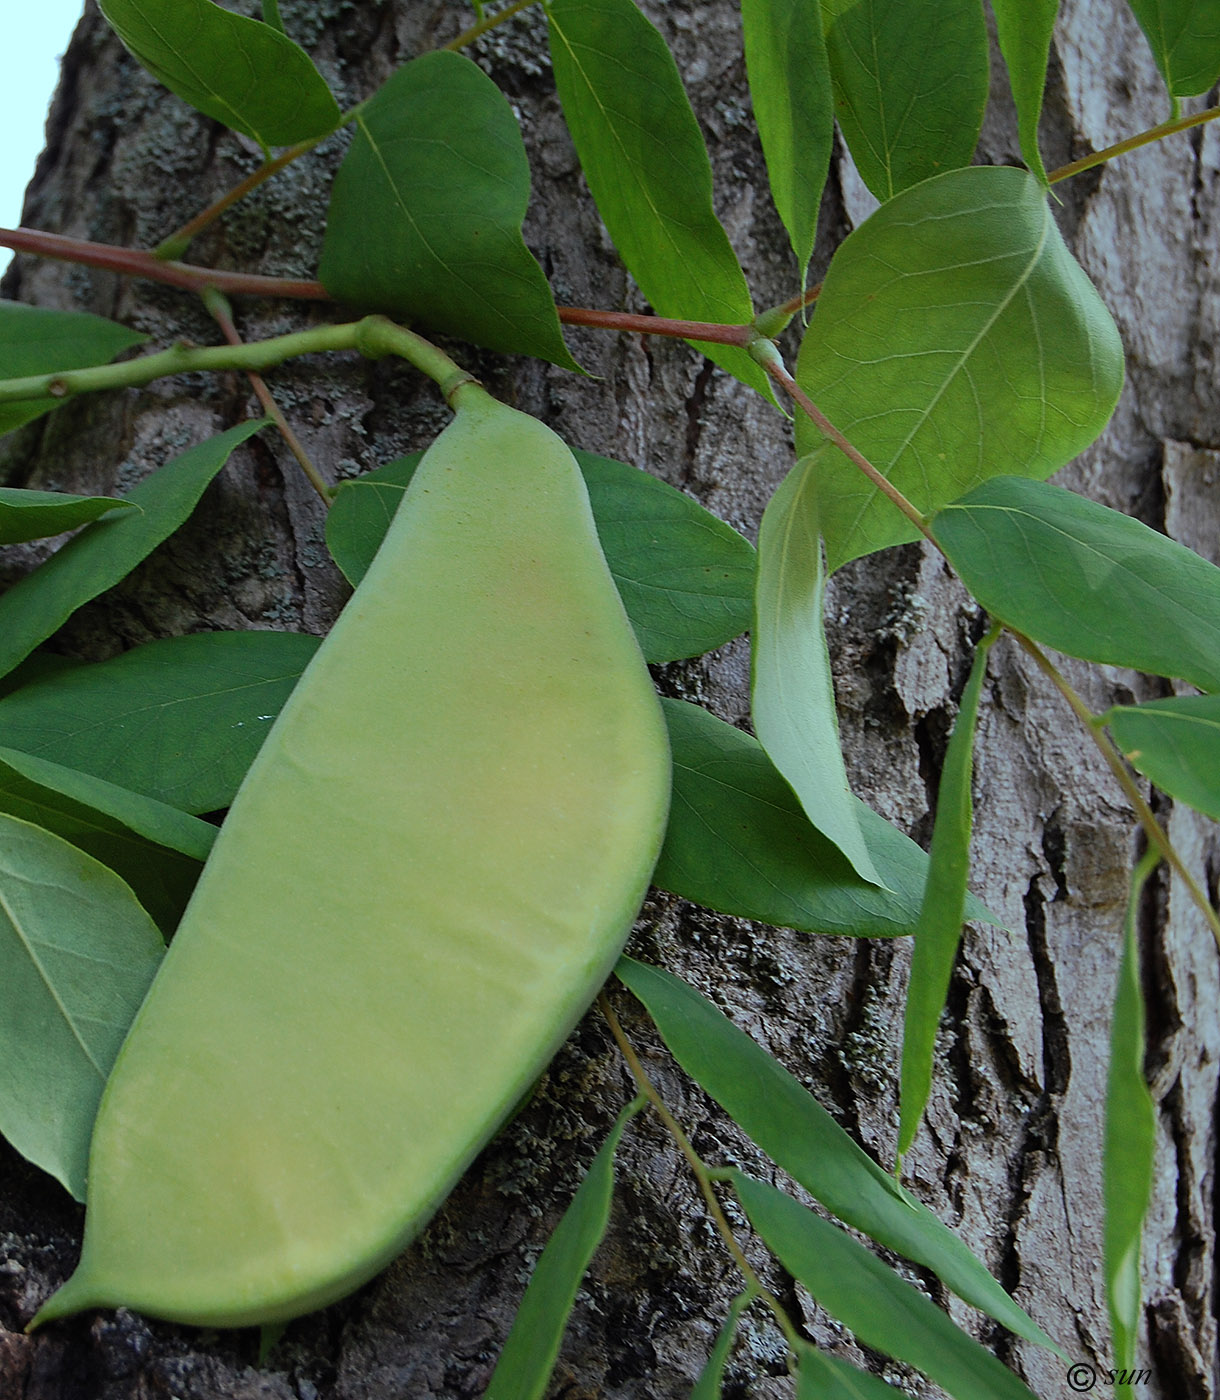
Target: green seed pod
x=426, y=876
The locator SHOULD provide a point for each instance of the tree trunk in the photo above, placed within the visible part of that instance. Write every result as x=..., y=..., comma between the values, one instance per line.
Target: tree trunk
x=1010, y=1151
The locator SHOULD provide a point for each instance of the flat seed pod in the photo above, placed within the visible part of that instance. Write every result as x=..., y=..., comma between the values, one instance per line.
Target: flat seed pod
x=424, y=879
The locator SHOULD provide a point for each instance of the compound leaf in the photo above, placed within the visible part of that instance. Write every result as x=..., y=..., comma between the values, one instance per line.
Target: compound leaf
x=1176, y=744
x=37, y=515
x=822, y=1377
x=1025, y=29
x=1184, y=36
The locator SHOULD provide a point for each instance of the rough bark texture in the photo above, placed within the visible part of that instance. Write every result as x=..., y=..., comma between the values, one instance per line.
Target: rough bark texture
x=1010, y=1153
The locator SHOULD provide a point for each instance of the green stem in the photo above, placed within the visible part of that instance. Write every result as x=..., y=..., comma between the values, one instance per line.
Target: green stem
x=1133, y=143
x=486, y=22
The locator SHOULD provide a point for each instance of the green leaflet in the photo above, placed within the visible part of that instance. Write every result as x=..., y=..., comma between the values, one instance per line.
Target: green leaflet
x=1130, y=1140
x=910, y=82
x=1025, y=29
x=711, y=1378
x=524, y=1369
x=76, y=956
x=822, y=1377
x=37, y=515
x=179, y=720
x=425, y=214
x=686, y=579
x=238, y=71
x=739, y=841
x=1184, y=36
x=789, y=77
x=1086, y=580
x=156, y=849
x=35, y=340
x=863, y=1293
x=793, y=703
x=955, y=337
x=647, y=167
x=944, y=905
x=106, y=551
x=1175, y=743
x=783, y=1118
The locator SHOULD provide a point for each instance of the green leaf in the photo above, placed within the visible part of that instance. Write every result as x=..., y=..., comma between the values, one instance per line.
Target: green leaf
x=1176, y=744
x=789, y=77
x=943, y=909
x=37, y=515
x=793, y=702
x=525, y=1364
x=739, y=842
x=426, y=210
x=711, y=1378
x=36, y=340
x=686, y=578
x=1086, y=580
x=238, y=71
x=884, y=1312
x=822, y=1377
x=76, y=956
x=1025, y=29
x=783, y=1118
x=1130, y=1140
x=158, y=850
x=647, y=167
x=910, y=82
x=106, y=551
x=179, y=720
x=1184, y=36
x=955, y=337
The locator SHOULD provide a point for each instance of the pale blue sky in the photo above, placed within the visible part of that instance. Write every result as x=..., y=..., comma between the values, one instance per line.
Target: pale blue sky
x=29, y=68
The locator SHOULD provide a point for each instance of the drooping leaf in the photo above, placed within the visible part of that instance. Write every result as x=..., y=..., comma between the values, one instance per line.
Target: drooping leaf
x=944, y=907
x=76, y=956
x=179, y=720
x=524, y=1368
x=1025, y=29
x=711, y=1378
x=37, y=340
x=1184, y=36
x=793, y=702
x=784, y=1119
x=426, y=210
x=238, y=71
x=738, y=841
x=106, y=551
x=37, y=515
x=685, y=577
x=1085, y=579
x=647, y=167
x=910, y=81
x=955, y=338
x=1176, y=744
x=863, y=1293
x=822, y=1377
x=158, y=850
x=790, y=91
x=1130, y=1140
x=36, y=667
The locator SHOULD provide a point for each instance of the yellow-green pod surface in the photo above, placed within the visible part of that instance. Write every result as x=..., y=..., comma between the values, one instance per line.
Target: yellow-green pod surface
x=427, y=874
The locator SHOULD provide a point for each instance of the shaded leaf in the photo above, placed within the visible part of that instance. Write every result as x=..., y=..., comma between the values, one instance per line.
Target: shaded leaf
x=36, y=340
x=158, y=850
x=943, y=909
x=1085, y=579
x=106, y=551
x=863, y=1293
x=179, y=720
x=525, y=1364
x=792, y=692
x=1130, y=1141
x=647, y=167
x=822, y=1377
x=790, y=91
x=37, y=515
x=77, y=954
x=738, y=841
x=238, y=71
x=711, y=1378
x=784, y=1119
x=426, y=210
x=1025, y=29
x=1176, y=744
x=685, y=577
x=910, y=82
x=955, y=337
x=1184, y=36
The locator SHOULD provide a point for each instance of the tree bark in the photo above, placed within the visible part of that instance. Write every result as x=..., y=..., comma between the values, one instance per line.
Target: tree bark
x=1010, y=1151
